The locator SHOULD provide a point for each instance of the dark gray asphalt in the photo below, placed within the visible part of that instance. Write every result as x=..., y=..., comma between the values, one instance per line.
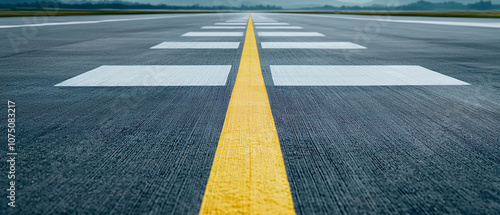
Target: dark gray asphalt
x=347, y=150
x=392, y=150
x=120, y=150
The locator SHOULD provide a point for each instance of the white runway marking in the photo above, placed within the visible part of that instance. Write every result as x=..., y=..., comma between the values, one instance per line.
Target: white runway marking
x=466, y=24
x=358, y=76
x=264, y=20
x=109, y=76
x=197, y=45
x=89, y=22
x=213, y=34
x=310, y=45
x=231, y=23
x=290, y=34
x=270, y=23
x=223, y=27
x=237, y=20
x=278, y=27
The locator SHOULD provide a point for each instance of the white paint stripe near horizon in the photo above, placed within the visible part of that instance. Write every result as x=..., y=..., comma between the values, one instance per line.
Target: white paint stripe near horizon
x=197, y=45
x=223, y=27
x=213, y=34
x=91, y=22
x=264, y=20
x=237, y=20
x=310, y=45
x=138, y=75
x=231, y=23
x=302, y=75
x=465, y=24
x=270, y=23
x=278, y=27
x=290, y=34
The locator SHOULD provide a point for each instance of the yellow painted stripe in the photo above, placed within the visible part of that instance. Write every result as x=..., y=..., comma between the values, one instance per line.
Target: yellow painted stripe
x=248, y=174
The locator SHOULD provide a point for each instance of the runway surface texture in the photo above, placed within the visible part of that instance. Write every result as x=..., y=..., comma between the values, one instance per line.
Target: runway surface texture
x=124, y=114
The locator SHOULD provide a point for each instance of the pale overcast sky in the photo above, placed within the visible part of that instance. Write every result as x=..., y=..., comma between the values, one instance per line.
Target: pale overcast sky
x=287, y=3
x=282, y=3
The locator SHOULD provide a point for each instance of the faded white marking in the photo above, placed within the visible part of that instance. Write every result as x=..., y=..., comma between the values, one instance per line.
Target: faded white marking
x=389, y=19
x=310, y=45
x=237, y=20
x=270, y=23
x=109, y=76
x=213, y=34
x=197, y=45
x=231, y=23
x=223, y=27
x=89, y=22
x=358, y=76
x=278, y=27
x=264, y=20
x=290, y=34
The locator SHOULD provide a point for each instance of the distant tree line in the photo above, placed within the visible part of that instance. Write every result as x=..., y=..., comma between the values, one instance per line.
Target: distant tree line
x=419, y=5
x=128, y=5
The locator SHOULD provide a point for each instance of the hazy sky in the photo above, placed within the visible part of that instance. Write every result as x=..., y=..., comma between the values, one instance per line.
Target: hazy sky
x=288, y=3
x=283, y=3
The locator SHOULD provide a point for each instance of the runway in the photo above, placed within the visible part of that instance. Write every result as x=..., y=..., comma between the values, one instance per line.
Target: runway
x=125, y=114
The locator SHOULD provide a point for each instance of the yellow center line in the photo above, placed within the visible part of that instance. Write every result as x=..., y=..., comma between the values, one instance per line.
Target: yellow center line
x=248, y=174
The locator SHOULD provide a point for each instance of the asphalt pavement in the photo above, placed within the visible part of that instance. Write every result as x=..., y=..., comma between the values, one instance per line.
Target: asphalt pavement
x=347, y=149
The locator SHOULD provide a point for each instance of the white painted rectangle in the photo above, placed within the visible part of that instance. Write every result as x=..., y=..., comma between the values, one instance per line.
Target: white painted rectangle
x=290, y=34
x=310, y=45
x=111, y=76
x=231, y=23
x=263, y=20
x=213, y=34
x=302, y=75
x=271, y=23
x=197, y=45
x=278, y=27
x=223, y=27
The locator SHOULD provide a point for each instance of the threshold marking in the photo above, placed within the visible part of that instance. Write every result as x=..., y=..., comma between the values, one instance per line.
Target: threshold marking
x=271, y=23
x=237, y=20
x=310, y=45
x=248, y=173
x=197, y=45
x=290, y=34
x=231, y=23
x=264, y=20
x=279, y=27
x=298, y=75
x=115, y=76
x=213, y=34
x=223, y=27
